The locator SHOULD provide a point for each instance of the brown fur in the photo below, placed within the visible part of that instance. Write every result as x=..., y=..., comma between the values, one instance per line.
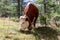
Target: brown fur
x=31, y=12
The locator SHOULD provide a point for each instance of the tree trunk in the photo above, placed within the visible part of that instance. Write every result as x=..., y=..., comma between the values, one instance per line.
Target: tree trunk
x=18, y=8
x=45, y=12
x=21, y=1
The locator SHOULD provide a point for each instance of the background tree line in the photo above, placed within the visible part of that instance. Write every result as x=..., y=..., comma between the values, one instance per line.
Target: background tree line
x=48, y=9
x=11, y=8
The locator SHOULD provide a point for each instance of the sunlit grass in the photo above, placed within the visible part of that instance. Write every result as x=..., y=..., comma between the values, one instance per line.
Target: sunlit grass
x=6, y=26
x=9, y=31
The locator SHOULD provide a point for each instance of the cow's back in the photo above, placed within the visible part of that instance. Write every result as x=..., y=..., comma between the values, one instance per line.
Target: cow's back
x=31, y=11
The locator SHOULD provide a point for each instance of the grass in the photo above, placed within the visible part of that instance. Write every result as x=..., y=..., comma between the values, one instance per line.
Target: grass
x=9, y=31
x=6, y=26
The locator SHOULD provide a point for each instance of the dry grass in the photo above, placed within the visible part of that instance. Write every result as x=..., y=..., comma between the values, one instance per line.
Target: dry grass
x=9, y=31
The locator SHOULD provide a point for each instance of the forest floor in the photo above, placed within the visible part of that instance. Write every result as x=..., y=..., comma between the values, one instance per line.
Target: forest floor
x=9, y=31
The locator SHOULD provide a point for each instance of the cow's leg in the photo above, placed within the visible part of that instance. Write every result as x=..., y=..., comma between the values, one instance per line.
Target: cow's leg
x=29, y=27
x=35, y=20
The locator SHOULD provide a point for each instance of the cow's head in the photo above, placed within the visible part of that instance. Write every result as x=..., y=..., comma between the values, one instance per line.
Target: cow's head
x=23, y=23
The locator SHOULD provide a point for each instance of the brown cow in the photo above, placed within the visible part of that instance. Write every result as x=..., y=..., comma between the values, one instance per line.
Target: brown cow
x=31, y=13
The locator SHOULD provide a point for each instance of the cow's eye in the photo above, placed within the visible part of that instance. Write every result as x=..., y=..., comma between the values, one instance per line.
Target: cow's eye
x=26, y=19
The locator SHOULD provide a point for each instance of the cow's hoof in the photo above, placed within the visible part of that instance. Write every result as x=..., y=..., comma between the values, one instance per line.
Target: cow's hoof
x=21, y=31
x=29, y=28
